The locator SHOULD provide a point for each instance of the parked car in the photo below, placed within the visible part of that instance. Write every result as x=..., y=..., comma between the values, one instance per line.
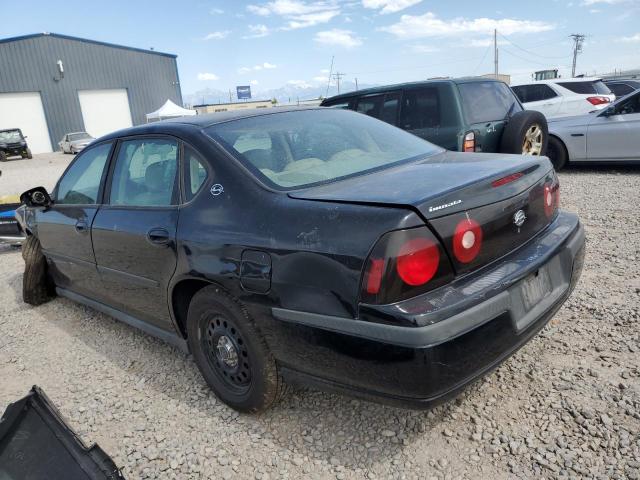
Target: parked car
x=609, y=135
x=316, y=245
x=562, y=97
x=465, y=115
x=622, y=87
x=13, y=143
x=74, y=142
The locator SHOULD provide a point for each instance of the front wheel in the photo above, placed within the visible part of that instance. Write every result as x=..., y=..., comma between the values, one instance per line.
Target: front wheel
x=526, y=133
x=36, y=286
x=29, y=154
x=231, y=353
x=557, y=153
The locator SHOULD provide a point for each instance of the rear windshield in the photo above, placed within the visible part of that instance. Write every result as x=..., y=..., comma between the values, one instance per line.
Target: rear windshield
x=487, y=101
x=295, y=149
x=587, y=88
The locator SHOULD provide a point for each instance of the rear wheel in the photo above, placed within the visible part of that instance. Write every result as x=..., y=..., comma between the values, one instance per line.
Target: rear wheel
x=525, y=134
x=557, y=153
x=3, y=156
x=230, y=352
x=29, y=154
x=36, y=287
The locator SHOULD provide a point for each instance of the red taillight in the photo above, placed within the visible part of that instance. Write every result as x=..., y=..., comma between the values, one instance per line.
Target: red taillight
x=467, y=240
x=598, y=100
x=551, y=198
x=508, y=179
x=403, y=264
x=469, y=144
x=374, y=275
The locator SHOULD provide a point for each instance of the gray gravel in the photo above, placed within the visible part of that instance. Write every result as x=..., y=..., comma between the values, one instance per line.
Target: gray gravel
x=565, y=406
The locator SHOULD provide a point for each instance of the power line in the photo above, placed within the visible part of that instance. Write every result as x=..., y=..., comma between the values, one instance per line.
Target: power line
x=483, y=58
x=530, y=52
x=528, y=59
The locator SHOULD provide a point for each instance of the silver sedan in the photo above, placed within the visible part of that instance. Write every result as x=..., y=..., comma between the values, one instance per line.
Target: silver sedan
x=608, y=135
x=74, y=142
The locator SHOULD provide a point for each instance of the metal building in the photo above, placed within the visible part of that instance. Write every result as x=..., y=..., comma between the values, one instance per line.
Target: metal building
x=53, y=84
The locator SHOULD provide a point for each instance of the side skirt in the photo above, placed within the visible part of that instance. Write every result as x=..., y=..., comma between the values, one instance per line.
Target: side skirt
x=169, y=337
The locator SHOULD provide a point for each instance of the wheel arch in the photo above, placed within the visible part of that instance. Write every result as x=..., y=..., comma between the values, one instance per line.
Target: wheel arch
x=181, y=295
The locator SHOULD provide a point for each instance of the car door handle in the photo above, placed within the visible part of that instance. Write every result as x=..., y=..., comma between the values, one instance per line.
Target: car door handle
x=158, y=236
x=81, y=226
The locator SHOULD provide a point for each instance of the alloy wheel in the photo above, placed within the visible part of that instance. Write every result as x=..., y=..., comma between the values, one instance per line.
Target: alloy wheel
x=533, y=141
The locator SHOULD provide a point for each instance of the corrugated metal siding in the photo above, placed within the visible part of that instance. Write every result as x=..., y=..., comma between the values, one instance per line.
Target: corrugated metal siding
x=29, y=65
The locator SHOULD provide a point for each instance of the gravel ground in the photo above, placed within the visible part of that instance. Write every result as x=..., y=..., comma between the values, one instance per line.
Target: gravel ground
x=567, y=405
x=43, y=169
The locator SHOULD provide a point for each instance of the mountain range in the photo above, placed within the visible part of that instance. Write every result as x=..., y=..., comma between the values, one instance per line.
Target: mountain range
x=289, y=93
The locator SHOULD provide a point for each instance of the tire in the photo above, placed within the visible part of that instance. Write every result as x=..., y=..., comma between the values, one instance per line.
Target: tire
x=29, y=155
x=557, y=153
x=3, y=156
x=515, y=136
x=36, y=287
x=218, y=323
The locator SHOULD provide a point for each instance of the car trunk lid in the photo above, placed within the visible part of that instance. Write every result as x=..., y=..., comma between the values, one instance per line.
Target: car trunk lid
x=450, y=187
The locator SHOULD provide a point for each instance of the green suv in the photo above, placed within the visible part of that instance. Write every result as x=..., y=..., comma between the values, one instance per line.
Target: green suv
x=466, y=114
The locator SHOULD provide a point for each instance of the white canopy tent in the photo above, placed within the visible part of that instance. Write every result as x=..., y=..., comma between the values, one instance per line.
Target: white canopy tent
x=169, y=110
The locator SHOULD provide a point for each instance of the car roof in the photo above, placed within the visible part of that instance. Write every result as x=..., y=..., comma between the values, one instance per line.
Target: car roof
x=559, y=80
x=9, y=129
x=408, y=85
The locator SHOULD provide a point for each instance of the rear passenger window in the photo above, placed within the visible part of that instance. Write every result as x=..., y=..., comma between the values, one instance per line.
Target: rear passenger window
x=370, y=105
x=145, y=173
x=195, y=174
x=534, y=93
x=587, y=88
x=620, y=89
x=420, y=109
x=389, y=111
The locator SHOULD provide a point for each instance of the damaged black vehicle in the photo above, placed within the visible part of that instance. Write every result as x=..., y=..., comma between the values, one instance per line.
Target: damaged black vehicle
x=317, y=246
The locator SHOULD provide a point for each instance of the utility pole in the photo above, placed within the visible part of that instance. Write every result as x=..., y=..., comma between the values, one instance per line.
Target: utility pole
x=578, y=39
x=338, y=76
x=330, y=73
x=495, y=52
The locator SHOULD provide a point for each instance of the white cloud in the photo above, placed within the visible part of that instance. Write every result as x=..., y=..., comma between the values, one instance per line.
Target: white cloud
x=321, y=79
x=298, y=13
x=299, y=84
x=208, y=76
x=342, y=38
x=216, y=11
x=217, y=35
x=258, y=31
x=631, y=39
x=606, y=2
x=429, y=25
x=254, y=82
x=389, y=6
x=424, y=48
x=256, y=68
x=483, y=42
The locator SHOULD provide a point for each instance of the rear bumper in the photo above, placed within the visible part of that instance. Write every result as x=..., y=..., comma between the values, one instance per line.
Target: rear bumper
x=419, y=351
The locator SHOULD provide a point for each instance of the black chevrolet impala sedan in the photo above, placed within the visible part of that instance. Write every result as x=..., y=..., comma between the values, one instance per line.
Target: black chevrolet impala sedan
x=316, y=246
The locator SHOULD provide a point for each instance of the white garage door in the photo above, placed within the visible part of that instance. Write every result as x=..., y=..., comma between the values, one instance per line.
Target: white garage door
x=24, y=111
x=104, y=111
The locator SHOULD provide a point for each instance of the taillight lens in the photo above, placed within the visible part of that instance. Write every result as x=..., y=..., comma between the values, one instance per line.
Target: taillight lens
x=551, y=198
x=418, y=261
x=403, y=264
x=469, y=144
x=467, y=240
x=598, y=100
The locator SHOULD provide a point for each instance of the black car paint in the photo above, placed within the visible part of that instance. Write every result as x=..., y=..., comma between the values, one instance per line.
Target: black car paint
x=12, y=149
x=304, y=253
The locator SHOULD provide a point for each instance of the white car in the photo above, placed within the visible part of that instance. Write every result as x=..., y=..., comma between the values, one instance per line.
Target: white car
x=563, y=97
x=74, y=142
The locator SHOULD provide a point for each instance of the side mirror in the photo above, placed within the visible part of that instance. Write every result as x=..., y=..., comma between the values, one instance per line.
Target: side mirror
x=36, y=197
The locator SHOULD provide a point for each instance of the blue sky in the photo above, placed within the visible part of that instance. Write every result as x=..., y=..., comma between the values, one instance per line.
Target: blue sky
x=221, y=44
